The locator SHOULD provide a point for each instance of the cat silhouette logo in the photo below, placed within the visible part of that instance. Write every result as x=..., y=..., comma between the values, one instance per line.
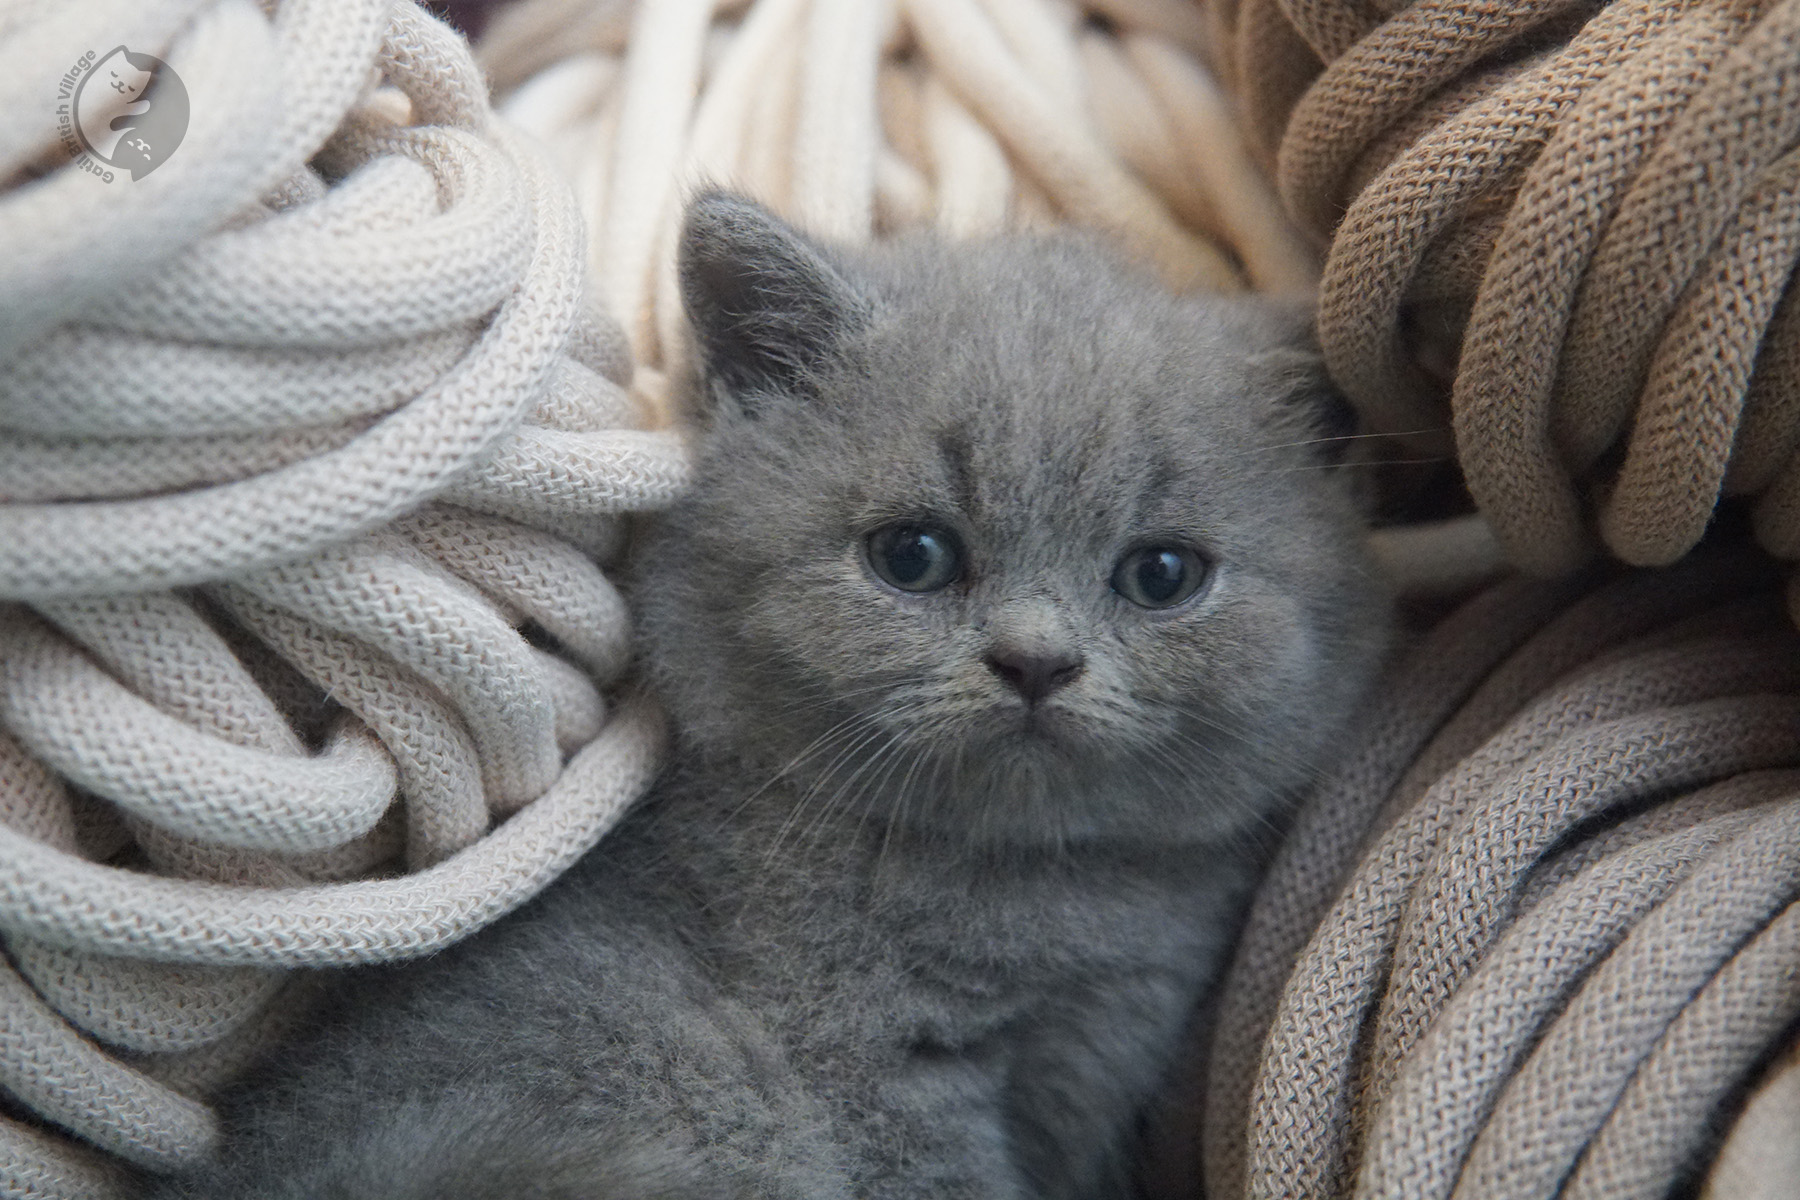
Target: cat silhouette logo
x=131, y=111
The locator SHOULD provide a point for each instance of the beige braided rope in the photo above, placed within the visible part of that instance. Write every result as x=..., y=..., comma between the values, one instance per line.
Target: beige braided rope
x=1560, y=953
x=1609, y=214
x=296, y=503
x=250, y=371
x=1599, y=203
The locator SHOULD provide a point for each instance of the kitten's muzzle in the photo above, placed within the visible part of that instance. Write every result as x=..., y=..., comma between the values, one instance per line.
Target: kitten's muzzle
x=1035, y=675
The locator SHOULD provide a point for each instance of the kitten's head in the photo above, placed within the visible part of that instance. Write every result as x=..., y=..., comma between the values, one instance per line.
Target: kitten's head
x=1002, y=539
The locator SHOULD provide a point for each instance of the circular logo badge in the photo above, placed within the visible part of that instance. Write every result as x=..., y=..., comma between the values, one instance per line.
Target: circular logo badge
x=131, y=111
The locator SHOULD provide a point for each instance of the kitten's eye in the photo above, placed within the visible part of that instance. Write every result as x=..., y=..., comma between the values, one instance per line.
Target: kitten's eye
x=1159, y=576
x=915, y=558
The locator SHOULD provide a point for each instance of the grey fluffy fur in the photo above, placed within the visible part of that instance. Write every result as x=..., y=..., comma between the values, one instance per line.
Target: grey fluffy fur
x=886, y=930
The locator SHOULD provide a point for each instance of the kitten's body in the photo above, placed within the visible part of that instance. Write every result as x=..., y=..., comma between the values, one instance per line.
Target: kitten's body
x=898, y=925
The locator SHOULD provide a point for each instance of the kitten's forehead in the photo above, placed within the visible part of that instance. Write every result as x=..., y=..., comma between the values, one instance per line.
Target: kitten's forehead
x=1039, y=404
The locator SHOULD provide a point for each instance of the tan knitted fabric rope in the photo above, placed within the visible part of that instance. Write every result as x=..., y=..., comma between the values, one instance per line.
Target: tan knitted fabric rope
x=1602, y=198
x=1537, y=936
x=331, y=367
x=1599, y=204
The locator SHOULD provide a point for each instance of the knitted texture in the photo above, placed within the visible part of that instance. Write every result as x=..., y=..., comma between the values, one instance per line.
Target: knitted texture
x=1596, y=207
x=1602, y=200
x=863, y=119
x=1539, y=932
x=329, y=370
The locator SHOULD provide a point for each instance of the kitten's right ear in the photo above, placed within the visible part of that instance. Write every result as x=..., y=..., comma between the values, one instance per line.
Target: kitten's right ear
x=1316, y=412
x=766, y=304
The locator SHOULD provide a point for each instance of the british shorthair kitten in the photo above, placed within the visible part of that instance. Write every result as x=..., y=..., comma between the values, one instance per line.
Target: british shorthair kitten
x=1013, y=600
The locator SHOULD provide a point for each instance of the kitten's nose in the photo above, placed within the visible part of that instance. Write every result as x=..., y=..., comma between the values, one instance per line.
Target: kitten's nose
x=1034, y=674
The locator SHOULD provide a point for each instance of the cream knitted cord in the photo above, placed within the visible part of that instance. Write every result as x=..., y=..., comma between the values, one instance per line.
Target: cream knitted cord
x=328, y=369
x=874, y=118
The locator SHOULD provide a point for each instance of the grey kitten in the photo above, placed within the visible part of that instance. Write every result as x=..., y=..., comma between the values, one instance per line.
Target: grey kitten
x=1014, y=596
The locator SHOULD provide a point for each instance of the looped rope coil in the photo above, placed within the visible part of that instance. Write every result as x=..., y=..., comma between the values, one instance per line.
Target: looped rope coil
x=1606, y=200
x=310, y=440
x=1537, y=934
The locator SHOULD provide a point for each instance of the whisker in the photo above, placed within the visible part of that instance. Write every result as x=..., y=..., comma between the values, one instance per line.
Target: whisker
x=811, y=747
x=899, y=748
x=1278, y=754
x=843, y=793
x=1354, y=437
x=896, y=813
x=855, y=745
x=1384, y=462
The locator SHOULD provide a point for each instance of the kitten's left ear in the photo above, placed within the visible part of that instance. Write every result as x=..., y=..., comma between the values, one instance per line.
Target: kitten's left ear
x=767, y=305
